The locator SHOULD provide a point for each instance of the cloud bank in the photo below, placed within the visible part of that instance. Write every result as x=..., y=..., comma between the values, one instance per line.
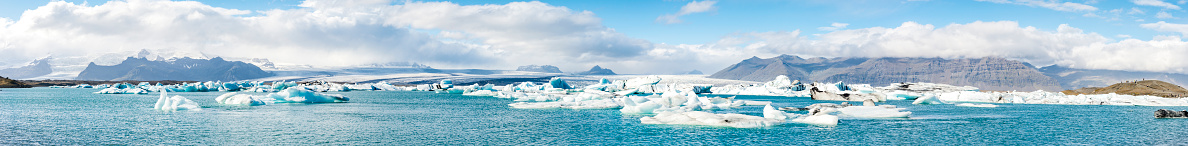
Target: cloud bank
x=502, y=36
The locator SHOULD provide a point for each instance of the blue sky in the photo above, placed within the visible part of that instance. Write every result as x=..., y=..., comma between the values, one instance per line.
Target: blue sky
x=636, y=18
x=629, y=36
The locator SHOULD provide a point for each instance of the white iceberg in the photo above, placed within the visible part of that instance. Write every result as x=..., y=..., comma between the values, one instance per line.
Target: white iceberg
x=238, y=99
x=175, y=103
x=302, y=96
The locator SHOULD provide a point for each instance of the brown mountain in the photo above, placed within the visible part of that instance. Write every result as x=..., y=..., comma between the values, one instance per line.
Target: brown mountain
x=1144, y=87
x=9, y=83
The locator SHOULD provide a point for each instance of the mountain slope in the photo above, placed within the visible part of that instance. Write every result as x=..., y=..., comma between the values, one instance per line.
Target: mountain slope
x=9, y=83
x=37, y=68
x=1144, y=87
x=1071, y=78
x=984, y=73
x=598, y=70
x=215, y=69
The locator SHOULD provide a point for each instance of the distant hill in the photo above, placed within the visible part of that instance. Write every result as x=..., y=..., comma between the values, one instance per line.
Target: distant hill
x=9, y=83
x=185, y=69
x=539, y=68
x=598, y=70
x=1071, y=78
x=984, y=73
x=1144, y=87
x=693, y=72
x=37, y=68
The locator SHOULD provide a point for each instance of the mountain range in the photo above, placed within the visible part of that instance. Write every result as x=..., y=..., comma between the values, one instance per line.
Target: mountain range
x=985, y=73
x=37, y=68
x=214, y=69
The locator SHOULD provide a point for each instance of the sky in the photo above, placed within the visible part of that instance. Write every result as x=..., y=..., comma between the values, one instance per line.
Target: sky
x=628, y=36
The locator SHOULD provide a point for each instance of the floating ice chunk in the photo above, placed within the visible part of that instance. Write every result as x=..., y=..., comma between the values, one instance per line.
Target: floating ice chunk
x=588, y=104
x=753, y=103
x=818, y=94
x=873, y=112
x=480, y=93
x=818, y=119
x=558, y=83
x=233, y=98
x=129, y=90
x=304, y=96
x=977, y=105
x=710, y=119
x=175, y=103
x=928, y=99
x=815, y=118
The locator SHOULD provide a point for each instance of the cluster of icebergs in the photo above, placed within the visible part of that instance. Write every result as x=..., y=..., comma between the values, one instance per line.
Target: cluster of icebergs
x=249, y=86
x=932, y=93
x=292, y=95
x=674, y=103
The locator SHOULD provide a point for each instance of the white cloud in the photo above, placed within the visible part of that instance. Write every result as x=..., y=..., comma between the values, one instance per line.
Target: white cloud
x=1135, y=11
x=834, y=27
x=692, y=7
x=1122, y=36
x=325, y=33
x=1167, y=27
x=1050, y=4
x=1066, y=45
x=1164, y=15
x=1156, y=3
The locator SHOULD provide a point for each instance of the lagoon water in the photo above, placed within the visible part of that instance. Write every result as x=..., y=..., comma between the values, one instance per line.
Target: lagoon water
x=79, y=117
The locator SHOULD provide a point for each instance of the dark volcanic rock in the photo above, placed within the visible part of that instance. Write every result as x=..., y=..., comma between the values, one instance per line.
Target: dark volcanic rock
x=9, y=83
x=539, y=68
x=598, y=70
x=984, y=73
x=1071, y=78
x=37, y=68
x=215, y=69
x=1162, y=113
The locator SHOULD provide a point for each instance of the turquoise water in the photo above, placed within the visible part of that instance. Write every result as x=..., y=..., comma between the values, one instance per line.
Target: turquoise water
x=78, y=117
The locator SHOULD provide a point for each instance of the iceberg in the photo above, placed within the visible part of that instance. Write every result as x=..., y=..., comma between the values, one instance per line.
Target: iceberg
x=928, y=99
x=175, y=103
x=132, y=90
x=872, y=111
x=238, y=99
x=813, y=118
x=301, y=96
x=818, y=94
x=558, y=83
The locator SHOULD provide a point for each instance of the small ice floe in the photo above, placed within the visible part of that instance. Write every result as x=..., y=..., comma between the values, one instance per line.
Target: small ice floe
x=234, y=98
x=976, y=105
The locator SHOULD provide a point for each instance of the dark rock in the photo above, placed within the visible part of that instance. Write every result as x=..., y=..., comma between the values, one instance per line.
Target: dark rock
x=984, y=73
x=598, y=70
x=1162, y=113
x=37, y=68
x=187, y=69
x=539, y=68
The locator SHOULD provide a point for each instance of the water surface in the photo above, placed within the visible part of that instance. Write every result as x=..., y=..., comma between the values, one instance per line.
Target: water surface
x=77, y=116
